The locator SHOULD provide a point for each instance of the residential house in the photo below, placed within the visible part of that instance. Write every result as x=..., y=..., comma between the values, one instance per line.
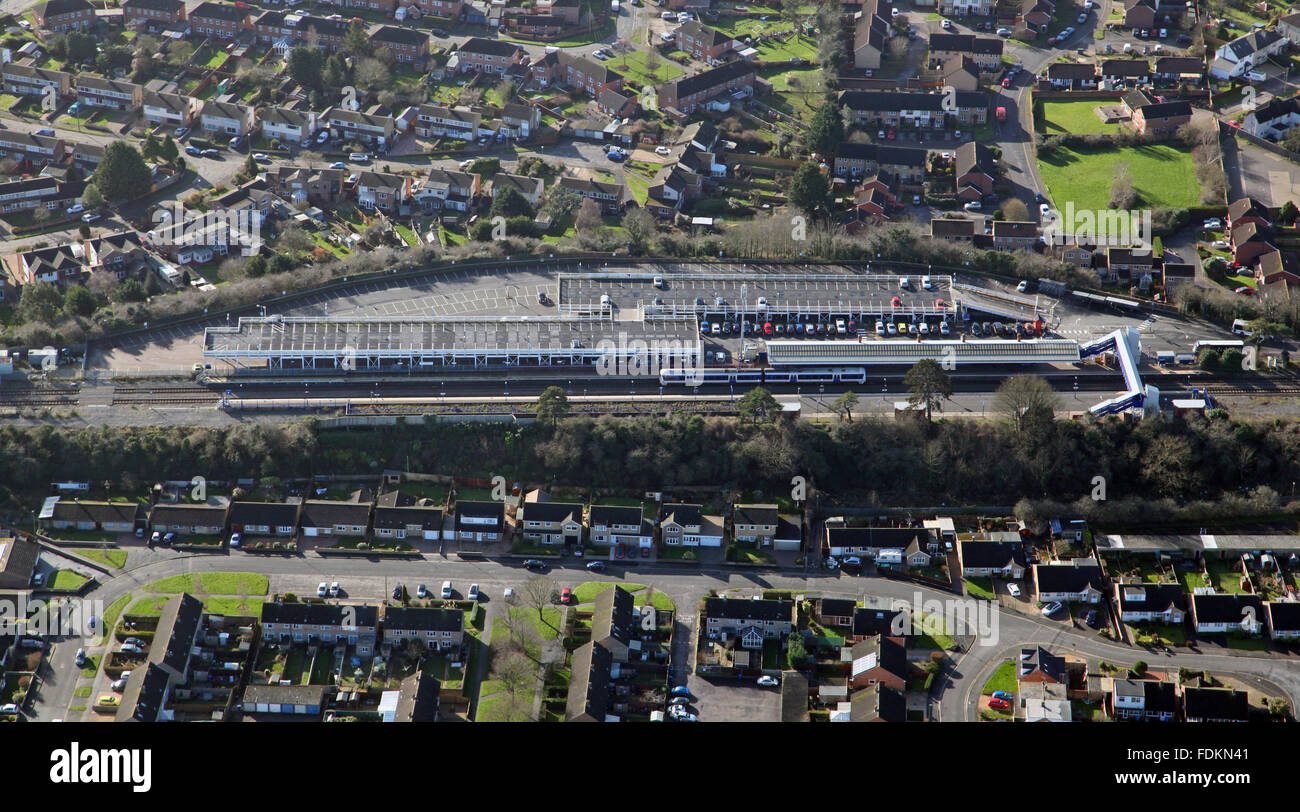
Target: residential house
x=176, y=635
x=288, y=126
x=879, y=660
x=207, y=236
x=789, y=534
x=297, y=184
x=153, y=15
x=877, y=703
x=1150, y=603
x=1072, y=75
x=144, y=698
x=889, y=543
x=1273, y=119
x=454, y=122
x=987, y=51
x=1128, y=71
x=871, y=34
x=51, y=194
x=591, y=685
x=1277, y=265
x=1004, y=558
x=1140, y=13
x=617, y=524
x=529, y=189
x=962, y=73
x=903, y=168
x=35, y=149
x=870, y=622
x=1177, y=274
x=114, y=94
x=1250, y=241
x=423, y=522
x=1043, y=702
x=384, y=191
x=1159, y=119
x=749, y=621
x=438, y=629
x=1178, y=69
x=1227, y=614
x=1143, y=700
x=219, y=21
x=1215, y=705
x=688, y=525
x=702, y=42
x=29, y=80
x=689, y=92
x=168, y=109
x=541, y=25
x=198, y=520
x=952, y=229
x=330, y=623
x=915, y=109
x=1037, y=664
x=1283, y=618
x=1015, y=235
x=226, y=118
x=1079, y=581
x=975, y=176
x=1129, y=263
x=445, y=189
x=1034, y=15
x=614, y=619
x=78, y=514
x=618, y=103
x=405, y=45
x=1245, y=53
x=569, y=10
x=1289, y=27
x=65, y=15
x=551, y=522
x=490, y=56
x=612, y=197
x=520, y=120
x=263, y=518
x=965, y=8
x=323, y=517
x=588, y=75
x=835, y=611
x=354, y=125
x=480, y=521
x=754, y=523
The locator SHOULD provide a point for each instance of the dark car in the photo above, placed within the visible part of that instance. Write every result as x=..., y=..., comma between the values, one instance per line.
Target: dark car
x=535, y=564
x=1091, y=619
x=645, y=552
x=397, y=592
x=438, y=32
x=597, y=566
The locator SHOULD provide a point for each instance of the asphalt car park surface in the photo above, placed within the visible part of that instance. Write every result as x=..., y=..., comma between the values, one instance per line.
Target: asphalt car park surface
x=726, y=700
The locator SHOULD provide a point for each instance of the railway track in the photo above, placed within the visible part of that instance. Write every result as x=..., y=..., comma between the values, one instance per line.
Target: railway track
x=23, y=401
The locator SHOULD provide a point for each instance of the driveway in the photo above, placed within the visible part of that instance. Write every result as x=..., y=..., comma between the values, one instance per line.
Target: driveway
x=726, y=700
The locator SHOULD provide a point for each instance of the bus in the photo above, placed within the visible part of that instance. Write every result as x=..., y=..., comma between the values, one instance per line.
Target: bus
x=1217, y=345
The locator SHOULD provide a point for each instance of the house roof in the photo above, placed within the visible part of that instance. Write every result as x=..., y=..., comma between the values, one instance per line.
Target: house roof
x=1231, y=608
x=878, y=652
x=1014, y=229
x=1257, y=40
x=880, y=154
x=171, y=6
x=1037, y=664
x=178, y=625
x=420, y=619
x=76, y=510
x=207, y=515
x=1179, y=65
x=286, y=117
x=878, y=703
x=876, y=537
x=327, y=513
x=419, y=699
x=1283, y=615
x=480, y=510
x=1125, y=67
x=952, y=227
x=700, y=32
x=710, y=79
x=400, y=36
x=838, y=607
x=225, y=109
x=320, y=614
x=56, y=7
x=143, y=697
x=1248, y=206
x=271, y=514
x=794, y=697
x=968, y=43
x=607, y=515
x=613, y=616
x=755, y=514
x=219, y=11
x=552, y=512
x=397, y=517
x=991, y=554
x=586, y=186
x=742, y=609
x=520, y=183
x=891, y=101
x=682, y=514
x=488, y=47
x=1067, y=577
x=313, y=695
x=1216, y=704
x=1072, y=70
x=1150, y=597
x=589, y=685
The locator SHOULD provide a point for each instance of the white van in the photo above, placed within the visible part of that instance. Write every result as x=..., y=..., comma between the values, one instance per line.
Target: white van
x=1239, y=328
x=446, y=589
x=903, y=284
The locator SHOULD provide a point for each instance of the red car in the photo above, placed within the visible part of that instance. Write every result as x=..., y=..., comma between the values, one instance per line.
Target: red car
x=1245, y=290
x=767, y=328
x=620, y=551
x=645, y=552
x=896, y=302
x=566, y=595
x=1006, y=83
x=1000, y=704
x=891, y=135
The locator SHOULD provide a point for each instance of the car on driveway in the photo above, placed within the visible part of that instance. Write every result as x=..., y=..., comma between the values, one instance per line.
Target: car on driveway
x=663, y=151
x=566, y=596
x=1013, y=590
x=1052, y=608
x=1002, y=695
x=90, y=217
x=1000, y=704
x=261, y=157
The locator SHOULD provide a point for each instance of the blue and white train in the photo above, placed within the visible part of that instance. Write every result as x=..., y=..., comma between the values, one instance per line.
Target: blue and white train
x=703, y=377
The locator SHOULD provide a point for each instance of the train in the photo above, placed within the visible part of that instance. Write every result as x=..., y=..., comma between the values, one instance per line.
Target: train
x=702, y=377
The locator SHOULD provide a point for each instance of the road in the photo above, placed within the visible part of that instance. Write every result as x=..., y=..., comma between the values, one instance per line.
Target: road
x=373, y=581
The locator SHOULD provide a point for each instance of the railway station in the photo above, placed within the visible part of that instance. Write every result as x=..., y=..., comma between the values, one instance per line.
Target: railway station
x=353, y=345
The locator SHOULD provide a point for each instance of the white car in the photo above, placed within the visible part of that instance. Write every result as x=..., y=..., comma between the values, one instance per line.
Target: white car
x=1052, y=608
x=334, y=589
x=974, y=205
x=322, y=589
x=1044, y=210
x=926, y=283
x=944, y=329
x=768, y=681
x=663, y=151
x=76, y=208
x=1013, y=590
x=1023, y=286
x=1221, y=245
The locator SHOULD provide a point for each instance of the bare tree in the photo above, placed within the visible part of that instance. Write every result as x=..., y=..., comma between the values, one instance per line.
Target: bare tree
x=1015, y=210
x=515, y=672
x=539, y=593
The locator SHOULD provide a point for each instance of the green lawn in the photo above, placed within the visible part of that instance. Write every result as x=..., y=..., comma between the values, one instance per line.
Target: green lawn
x=67, y=579
x=115, y=559
x=1074, y=117
x=1163, y=175
x=92, y=667
x=114, y=611
x=587, y=592
x=741, y=27
x=216, y=583
x=643, y=69
x=980, y=588
x=1004, y=679
x=796, y=47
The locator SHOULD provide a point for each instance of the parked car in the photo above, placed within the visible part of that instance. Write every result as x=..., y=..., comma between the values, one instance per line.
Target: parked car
x=1002, y=695
x=422, y=591
x=91, y=217
x=261, y=157
x=1000, y=704
x=535, y=565
x=236, y=539
x=81, y=658
x=322, y=589
x=768, y=681
x=679, y=701
x=46, y=132
x=645, y=552
x=334, y=589
x=128, y=648
x=446, y=590
x=1052, y=608
x=169, y=538
x=473, y=592
x=190, y=149
x=1091, y=619
x=597, y=566
x=398, y=591
x=566, y=595
x=680, y=690
x=211, y=153
x=1013, y=590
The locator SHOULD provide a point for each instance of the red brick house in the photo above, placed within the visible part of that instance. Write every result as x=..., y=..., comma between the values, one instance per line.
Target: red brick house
x=407, y=45
x=154, y=15
x=66, y=15
x=702, y=42
x=487, y=55
x=219, y=21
